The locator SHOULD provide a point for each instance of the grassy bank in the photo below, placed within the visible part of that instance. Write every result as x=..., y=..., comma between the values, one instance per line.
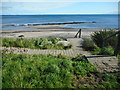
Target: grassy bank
x=46, y=71
x=35, y=43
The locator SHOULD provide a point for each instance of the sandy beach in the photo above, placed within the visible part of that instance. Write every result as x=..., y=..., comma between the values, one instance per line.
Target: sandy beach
x=47, y=31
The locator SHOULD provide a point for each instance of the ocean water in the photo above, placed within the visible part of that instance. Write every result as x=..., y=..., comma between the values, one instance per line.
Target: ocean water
x=20, y=22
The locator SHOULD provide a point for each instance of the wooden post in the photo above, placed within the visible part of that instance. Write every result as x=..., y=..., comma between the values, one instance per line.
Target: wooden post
x=117, y=49
x=76, y=34
x=79, y=32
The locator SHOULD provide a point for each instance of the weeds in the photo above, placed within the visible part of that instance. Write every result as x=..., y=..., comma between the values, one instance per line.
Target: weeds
x=37, y=43
x=47, y=71
x=95, y=44
x=41, y=71
x=104, y=51
x=98, y=38
x=89, y=45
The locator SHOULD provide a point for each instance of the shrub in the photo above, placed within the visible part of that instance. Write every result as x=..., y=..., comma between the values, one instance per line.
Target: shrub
x=95, y=44
x=98, y=38
x=89, y=45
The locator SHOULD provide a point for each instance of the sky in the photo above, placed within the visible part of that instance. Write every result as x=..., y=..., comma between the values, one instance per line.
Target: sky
x=60, y=0
x=41, y=8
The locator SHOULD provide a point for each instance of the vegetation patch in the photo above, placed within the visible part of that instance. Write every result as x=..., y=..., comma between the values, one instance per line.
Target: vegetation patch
x=47, y=71
x=98, y=46
x=89, y=45
x=98, y=38
x=101, y=81
x=35, y=43
x=42, y=71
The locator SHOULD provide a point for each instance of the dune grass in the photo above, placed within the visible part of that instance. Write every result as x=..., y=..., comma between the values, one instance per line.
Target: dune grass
x=34, y=43
x=95, y=43
x=41, y=71
x=99, y=36
x=47, y=71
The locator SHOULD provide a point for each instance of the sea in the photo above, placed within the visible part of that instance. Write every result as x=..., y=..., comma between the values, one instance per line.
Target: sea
x=20, y=22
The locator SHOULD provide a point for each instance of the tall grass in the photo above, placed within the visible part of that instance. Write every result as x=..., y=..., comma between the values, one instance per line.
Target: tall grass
x=89, y=45
x=41, y=71
x=34, y=43
x=95, y=43
x=98, y=38
x=47, y=71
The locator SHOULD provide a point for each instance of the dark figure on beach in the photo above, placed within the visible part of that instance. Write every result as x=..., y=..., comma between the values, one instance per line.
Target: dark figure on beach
x=78, y=33
x=21, y=36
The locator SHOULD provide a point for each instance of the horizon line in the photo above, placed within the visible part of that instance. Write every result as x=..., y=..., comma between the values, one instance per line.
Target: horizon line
x=55, y=14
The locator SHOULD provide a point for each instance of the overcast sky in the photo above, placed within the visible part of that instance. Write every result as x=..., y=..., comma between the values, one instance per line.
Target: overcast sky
x=38, y=8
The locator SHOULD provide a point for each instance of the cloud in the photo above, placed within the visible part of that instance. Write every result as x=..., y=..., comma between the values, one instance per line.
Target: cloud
x=44, y=5
x=60, y=0
x=57, y=7
x=28, y=6
x=38, y=0
x=31, y=7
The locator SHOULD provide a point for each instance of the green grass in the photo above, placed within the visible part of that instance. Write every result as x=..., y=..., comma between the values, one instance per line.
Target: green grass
x=110, y=80
x=41, y=71
x=118, y=57
x=104, y=51
x=89, y=45
x=34, y=43
x=95, y=43
x=99, y=36
x=105, y=81
x=47, y=71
